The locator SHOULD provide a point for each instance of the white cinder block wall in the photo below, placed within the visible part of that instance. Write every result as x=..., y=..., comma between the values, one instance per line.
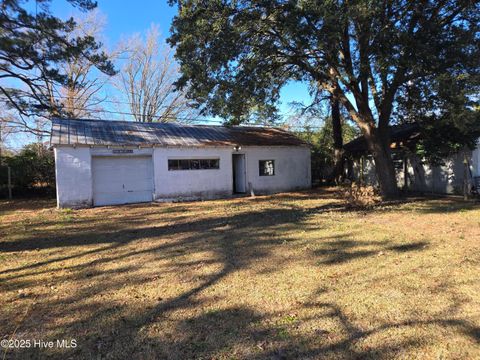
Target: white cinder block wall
x=192, y=184
x=292, y=171
x=476, y=160
x=292, y=168
x=73, y=175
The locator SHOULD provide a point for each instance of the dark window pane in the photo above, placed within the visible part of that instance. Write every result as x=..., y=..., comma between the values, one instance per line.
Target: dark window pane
x=206, y=164
x=184, y=164
x=173, y=165
x=266, y=167
x=194, y=164
x=215, y=163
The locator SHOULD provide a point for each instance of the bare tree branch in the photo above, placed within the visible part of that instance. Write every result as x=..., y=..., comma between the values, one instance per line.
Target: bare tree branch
x=147, y=81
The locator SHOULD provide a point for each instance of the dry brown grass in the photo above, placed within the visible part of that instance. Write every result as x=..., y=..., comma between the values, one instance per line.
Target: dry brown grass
x=285, y=276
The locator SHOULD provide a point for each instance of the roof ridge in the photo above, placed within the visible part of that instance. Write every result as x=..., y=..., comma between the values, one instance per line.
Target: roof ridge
x=249, y=126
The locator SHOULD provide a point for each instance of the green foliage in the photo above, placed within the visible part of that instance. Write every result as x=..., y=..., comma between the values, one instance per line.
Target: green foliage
x=258, y=114
x=321, y=142
x=236, y=54
x=322, y=139
x=443, y=137
x=33, y=168
x=447, y=109
x=31, y=47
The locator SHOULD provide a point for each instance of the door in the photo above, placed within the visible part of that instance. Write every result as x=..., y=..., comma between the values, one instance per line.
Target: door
x=239, y=174
x=122, y=180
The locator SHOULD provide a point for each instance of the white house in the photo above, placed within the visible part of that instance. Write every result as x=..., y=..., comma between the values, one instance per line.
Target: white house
x=117, y=162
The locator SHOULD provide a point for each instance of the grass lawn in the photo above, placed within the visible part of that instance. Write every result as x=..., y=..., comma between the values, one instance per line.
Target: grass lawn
x=277, y=277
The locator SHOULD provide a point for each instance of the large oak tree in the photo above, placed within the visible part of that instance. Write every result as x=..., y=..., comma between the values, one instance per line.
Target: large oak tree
x=234, y=54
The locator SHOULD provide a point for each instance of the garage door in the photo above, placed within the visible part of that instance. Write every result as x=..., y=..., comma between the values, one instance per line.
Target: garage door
x=122, y=180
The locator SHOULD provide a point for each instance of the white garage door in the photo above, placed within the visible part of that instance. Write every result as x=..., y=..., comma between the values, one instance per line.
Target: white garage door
x=122, y=180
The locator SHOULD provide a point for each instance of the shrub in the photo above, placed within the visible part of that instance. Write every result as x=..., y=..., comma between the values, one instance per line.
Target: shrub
x=359, y=196
x=32, y=171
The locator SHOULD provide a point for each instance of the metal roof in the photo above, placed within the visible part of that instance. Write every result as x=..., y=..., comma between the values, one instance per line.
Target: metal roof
x=398, y=133
x=104, y=133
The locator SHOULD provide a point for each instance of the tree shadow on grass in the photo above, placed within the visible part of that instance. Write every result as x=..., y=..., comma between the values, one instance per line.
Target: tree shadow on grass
x=241, y=332
x=447, y=206
x=346, y=347
x=124, y=235
x=10, y=206
x=342, y=251
x=108, y=329
x=253, y=220
x=232, y=254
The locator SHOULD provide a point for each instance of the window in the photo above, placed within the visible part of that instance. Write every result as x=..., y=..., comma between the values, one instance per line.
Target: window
x=267, y=167
x=194, y=164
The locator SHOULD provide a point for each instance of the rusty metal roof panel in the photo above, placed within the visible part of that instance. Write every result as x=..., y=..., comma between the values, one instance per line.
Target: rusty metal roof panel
x=407, y=133
x=64, y=133
x=55, y=138
x=103, y=132
x=181, y=136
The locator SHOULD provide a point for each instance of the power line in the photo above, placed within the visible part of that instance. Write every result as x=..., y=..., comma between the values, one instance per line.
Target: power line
x=57, y=97
x=188, y=119
x=86, y=107
x=168, y=117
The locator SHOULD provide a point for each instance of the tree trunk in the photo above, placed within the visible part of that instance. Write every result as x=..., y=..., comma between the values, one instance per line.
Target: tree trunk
x=377, y=139
x=338, y=161
x=379, y=147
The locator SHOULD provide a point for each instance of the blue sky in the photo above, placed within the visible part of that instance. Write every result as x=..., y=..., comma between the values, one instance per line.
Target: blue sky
x=124, y=18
